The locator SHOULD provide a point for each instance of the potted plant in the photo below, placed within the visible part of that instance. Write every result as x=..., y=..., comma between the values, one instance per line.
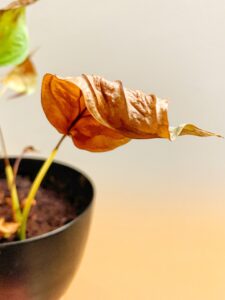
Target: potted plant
x=42, y=265
x=37, y=261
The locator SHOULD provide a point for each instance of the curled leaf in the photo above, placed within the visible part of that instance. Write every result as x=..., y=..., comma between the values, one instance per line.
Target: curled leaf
x=64, y=105
x=7, y=229
x=22, y=79
x=101, y=115
x=189, y=129
x=13, y=36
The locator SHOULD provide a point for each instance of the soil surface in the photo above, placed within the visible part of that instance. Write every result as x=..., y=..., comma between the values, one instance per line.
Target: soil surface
x=50, y=210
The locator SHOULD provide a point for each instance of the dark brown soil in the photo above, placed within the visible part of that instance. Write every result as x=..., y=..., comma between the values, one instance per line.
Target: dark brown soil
x=50, y=209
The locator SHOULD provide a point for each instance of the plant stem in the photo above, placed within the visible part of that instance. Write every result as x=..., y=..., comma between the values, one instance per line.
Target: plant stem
x=40, y=176
x=17, y=215
x=35, y=186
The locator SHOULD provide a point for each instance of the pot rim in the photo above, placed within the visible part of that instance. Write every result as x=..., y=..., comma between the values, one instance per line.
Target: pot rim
x=61, y=228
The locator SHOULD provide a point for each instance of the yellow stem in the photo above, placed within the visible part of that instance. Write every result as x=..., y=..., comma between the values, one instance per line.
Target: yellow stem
x=11, y=182
x=13, y=191
x=32, y=193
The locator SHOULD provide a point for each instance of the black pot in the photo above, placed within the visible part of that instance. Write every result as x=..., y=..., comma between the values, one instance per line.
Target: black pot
x=41, y=268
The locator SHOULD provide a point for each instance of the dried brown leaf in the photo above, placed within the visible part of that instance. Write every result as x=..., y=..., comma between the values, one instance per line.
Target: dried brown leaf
x=7, y=229
x=19, y=3
x=101, y=115
x=190, y=129
x=63, y=102
x=22, y=79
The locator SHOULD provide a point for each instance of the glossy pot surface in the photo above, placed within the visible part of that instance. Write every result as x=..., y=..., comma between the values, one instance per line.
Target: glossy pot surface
x=42, y=267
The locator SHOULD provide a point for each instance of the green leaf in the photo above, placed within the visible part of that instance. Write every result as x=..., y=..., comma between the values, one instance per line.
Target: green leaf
x=14, y=40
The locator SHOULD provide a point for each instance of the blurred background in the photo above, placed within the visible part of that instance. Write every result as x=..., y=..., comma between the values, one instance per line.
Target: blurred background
x=158, y=230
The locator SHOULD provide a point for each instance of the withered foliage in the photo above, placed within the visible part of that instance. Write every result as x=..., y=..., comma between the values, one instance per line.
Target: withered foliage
x=22, y=79
x=19, y=3
x=7, y=229
x=101, y=115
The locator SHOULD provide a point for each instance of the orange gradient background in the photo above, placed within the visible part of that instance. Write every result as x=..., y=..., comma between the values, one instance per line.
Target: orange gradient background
x=158, y=230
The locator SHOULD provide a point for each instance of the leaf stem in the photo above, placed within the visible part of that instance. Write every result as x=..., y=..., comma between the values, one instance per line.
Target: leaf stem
x=35, y=186
x=17, y=215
